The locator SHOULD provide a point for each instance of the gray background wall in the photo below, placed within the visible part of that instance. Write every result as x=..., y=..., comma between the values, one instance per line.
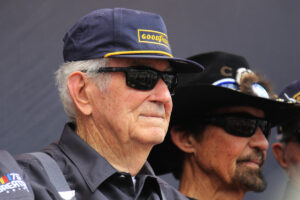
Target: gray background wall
x=31, y=116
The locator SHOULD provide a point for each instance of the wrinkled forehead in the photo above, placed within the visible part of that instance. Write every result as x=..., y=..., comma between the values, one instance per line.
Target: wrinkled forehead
x=161, y=65
x=240, y=109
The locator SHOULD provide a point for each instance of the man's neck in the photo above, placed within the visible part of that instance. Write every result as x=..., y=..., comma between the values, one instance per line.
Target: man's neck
x=199, y=185
x=125, y=157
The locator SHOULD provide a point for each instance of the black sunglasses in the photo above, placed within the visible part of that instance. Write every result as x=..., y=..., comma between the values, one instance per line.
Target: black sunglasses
x=240, y=124
x=144, y=78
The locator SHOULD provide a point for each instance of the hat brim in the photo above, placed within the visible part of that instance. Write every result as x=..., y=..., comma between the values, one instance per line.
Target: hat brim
x=203, y=98
x=180, y=65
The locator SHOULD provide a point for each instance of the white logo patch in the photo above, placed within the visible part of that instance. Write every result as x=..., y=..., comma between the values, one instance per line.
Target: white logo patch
x=12, y=182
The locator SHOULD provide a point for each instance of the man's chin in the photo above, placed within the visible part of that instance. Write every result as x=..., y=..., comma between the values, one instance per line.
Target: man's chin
x=158, y=136
x=153, y=135
x=251, y=178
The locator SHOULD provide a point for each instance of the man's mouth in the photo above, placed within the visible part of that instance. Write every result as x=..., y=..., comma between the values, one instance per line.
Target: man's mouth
x=254, y=160
x=152, y=115
x=257, y=163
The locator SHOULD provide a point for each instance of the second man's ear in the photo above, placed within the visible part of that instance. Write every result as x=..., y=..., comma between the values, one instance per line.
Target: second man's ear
x=183, y=140
x=278, y=151
x=78, y=86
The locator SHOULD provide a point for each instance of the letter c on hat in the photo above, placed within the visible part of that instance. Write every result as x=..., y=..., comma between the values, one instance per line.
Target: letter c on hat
x=226, y=71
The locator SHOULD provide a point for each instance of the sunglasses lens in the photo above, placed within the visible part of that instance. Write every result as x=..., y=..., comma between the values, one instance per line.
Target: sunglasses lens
x=146, y=79
x=141, y=79
x=240, y=126
x=265, y=127
x=171, y=82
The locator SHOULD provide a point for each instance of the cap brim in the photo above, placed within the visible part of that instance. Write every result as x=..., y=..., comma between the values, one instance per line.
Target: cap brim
x=202, y=98
x=179, y=64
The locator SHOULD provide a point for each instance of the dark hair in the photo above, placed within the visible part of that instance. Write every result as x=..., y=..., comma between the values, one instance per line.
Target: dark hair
x=288, y=129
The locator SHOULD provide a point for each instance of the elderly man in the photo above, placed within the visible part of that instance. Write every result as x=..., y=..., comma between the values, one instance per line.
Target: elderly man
x=115, y=86
x=287, y=150
x=219, y=130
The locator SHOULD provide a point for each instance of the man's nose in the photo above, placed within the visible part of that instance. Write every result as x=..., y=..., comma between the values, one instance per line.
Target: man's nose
x=161, y=92
x=258, y=140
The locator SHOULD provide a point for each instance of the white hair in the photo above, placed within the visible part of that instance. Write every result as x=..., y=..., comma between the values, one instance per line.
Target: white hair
x=87, y=66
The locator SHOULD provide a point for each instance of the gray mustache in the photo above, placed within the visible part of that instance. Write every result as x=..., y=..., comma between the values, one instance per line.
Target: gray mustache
x=256, y=155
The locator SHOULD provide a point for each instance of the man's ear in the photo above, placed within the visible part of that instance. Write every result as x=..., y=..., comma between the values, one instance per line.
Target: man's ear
x=183, y=140
x=77, y=86
x=278, y=151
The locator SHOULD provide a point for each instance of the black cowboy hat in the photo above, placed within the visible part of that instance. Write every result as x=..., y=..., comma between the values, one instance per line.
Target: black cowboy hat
x=217, y=86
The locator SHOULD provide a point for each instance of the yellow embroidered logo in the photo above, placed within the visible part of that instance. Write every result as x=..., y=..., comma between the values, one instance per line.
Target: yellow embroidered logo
x=153, y=37
x=297, y=96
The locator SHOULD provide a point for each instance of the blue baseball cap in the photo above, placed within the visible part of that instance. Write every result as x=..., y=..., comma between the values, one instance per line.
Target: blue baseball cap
x=122, y=33
x=290, y=94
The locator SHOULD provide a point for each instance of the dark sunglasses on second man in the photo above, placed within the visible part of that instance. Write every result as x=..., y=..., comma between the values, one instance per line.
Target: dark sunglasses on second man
x=240, y=124
x=144, y=77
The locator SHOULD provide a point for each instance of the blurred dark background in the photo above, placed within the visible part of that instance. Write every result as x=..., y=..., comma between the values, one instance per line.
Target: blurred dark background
x=31, y=115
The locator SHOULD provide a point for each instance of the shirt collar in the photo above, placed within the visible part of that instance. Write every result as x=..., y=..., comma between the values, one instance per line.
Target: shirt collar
x=146, y=170
x=92, y=166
